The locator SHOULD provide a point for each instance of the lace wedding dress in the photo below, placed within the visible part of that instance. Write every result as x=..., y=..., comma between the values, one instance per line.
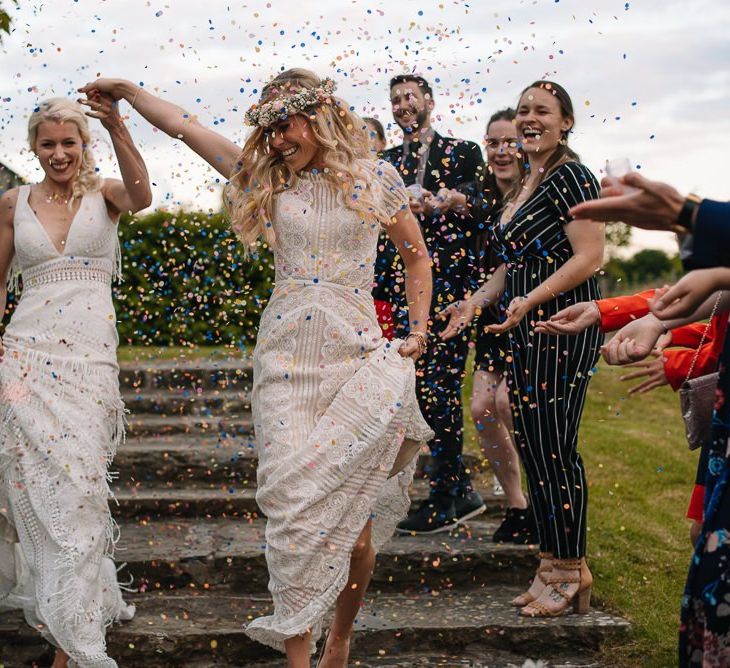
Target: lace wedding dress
x=61, y=418
x=333, y=402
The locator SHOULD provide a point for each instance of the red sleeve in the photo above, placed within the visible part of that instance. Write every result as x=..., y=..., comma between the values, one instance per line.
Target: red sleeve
x=690, y=336
x=696, y=508
x=677, y=361
x=619, y=311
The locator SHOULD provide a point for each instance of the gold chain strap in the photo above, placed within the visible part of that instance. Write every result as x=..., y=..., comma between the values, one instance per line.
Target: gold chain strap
x=704, y=336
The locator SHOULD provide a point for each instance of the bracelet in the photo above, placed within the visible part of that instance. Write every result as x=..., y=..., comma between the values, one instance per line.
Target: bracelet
x=422, y=340
x=134, y=99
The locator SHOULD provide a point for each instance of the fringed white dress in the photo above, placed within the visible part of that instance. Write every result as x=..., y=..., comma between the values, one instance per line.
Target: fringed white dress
x=333, y=402
x=61, y=418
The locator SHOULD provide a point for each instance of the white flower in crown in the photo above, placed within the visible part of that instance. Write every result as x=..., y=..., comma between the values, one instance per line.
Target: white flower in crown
x=287, y=105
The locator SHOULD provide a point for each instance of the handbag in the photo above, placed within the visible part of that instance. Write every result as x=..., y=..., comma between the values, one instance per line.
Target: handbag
x=697, y=398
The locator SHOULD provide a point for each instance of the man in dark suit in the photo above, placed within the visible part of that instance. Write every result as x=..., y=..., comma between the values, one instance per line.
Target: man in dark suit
x=434, y=168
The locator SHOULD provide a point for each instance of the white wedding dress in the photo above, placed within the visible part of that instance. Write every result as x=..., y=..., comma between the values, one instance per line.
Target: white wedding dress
x=61, y=418
x=333, y=402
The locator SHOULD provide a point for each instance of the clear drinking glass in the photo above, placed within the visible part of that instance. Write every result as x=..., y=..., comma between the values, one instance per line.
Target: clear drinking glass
x=617, y=168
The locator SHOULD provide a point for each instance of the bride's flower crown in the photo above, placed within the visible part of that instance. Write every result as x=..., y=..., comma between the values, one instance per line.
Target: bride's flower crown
x=279, y=108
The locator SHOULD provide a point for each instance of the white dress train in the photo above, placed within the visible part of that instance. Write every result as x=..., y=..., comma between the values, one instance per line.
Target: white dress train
x=333, y=402
x=61, y=418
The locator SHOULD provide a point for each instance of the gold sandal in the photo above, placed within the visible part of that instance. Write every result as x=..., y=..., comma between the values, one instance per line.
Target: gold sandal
x=580, y=599
x=525, y=599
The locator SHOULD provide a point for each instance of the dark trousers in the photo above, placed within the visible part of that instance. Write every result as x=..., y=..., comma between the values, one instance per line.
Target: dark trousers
x=548, y=379
x=439, y=378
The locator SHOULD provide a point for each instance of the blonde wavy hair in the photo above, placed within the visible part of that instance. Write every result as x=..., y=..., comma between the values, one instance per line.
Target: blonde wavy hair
x=263, y=174
x=61, y=110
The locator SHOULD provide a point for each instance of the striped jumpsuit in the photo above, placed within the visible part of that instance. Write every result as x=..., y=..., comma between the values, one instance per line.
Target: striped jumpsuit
x=548, y=375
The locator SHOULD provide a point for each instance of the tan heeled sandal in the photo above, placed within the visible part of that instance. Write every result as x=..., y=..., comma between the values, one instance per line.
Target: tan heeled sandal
x=574, y=571
x=542, y=571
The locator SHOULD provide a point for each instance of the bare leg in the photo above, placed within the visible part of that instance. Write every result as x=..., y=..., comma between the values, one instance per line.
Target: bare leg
x=297, y=651
x=349, y=602
x=60, y=660
x=492, y=416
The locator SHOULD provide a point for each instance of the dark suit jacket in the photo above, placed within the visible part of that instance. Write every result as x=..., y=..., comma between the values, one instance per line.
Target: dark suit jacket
x=711, y=236
x=452, y=163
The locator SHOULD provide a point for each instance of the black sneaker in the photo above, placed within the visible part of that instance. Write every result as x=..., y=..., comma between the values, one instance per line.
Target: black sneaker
x=435, y=514
x=468, y=506
x=518, y=526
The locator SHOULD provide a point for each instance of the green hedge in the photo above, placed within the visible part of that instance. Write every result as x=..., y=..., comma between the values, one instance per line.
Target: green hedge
x=187, y=282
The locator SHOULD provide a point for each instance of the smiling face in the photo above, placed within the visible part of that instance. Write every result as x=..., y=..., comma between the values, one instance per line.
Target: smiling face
x=502, y=149
x=411, y=108
x=293, y=139
x=59, y=148
x=540, y=121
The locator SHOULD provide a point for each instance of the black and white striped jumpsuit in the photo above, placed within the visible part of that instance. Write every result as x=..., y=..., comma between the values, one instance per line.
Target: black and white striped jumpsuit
x=549, y=374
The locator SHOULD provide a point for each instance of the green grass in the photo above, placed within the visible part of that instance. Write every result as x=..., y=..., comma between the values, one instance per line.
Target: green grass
x=153, y=353
x=640, y=475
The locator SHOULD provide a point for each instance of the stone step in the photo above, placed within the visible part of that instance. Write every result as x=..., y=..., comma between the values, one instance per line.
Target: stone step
x=167, y=554
x=180, y=629
x=224, y=403
x=196, y=498
x=147, y=425
x=178, y=456
x=228, y=374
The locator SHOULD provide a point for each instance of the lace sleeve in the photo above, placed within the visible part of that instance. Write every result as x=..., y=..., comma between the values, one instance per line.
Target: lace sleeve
x=393, y=194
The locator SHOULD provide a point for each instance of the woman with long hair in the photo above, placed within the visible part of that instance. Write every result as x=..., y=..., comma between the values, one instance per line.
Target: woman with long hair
x=61, y=412
x=548, y=261
x=334, y=405
x=490, y=402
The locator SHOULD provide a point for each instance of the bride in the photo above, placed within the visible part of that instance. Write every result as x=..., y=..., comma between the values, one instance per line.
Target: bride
x=61, y=413
x=334, y=402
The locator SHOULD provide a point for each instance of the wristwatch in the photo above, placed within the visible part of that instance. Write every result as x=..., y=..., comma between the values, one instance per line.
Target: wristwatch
x=686, y=220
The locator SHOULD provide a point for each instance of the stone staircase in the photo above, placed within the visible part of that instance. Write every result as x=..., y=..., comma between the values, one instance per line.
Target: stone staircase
x=193, y=539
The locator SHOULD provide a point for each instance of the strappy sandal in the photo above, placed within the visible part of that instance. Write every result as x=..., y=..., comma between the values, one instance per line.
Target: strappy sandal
x=542, y=571
x=574, y=572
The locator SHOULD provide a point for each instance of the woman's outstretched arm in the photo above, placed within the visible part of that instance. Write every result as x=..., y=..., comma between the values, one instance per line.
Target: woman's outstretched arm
x=133, y=192
x=219, y=152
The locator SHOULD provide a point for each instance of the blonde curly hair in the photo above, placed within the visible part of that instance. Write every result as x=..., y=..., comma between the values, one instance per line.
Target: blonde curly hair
x=263, y=174
x=62, y=110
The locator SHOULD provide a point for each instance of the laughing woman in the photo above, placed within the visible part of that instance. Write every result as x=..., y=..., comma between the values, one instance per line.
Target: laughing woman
x=61, y=414
x=334, y=403
x=548, y=262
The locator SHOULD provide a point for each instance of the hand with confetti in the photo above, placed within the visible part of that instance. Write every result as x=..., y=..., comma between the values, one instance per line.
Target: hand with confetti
x=518, y=308
x=572, y=320
x=459, y=315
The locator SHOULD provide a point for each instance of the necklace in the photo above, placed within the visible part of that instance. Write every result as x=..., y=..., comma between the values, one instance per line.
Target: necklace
x=56, y=198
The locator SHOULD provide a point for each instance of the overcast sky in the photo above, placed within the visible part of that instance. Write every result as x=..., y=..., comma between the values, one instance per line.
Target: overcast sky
x=649, y=79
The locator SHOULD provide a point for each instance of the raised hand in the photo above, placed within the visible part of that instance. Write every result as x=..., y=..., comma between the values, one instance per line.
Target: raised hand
x=571, y=320
x=114, y=88
x=459, y=315
x=633, y=342
x=652, y=370
x=104, y=107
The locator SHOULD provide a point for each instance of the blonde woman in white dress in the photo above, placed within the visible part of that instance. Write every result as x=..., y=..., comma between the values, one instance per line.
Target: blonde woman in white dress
x=334, y=403
x=61, y=414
